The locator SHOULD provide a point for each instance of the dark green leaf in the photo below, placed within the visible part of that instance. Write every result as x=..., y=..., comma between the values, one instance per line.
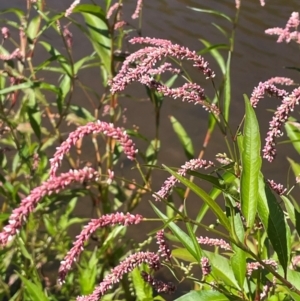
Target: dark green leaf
x=273, y=220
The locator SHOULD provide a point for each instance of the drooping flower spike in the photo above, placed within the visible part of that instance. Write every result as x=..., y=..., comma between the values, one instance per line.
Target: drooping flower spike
x=88, y=230
x=105, y=128
x=168, y=185
x=52, y=185
x=123, y=268
x=288, y=102
x=145, y=61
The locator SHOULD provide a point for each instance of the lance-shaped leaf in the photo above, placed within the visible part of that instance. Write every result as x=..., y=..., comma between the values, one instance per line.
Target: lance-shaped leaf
x=273, y=220
x=251, y=164
x=204, y=196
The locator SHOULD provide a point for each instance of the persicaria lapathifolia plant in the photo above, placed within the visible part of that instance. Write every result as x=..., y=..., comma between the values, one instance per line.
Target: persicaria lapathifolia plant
x=251, y=249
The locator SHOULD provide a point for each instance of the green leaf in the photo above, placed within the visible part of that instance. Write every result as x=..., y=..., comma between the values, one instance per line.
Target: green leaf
x=221, y=269
x=227, y=88
x=185, y=140
x=151, y=152
x=251, y=164
x=213, y=12
x=295, y=167
x=203, y=296
x=183, y=254
x=213, y=50
x=273, y=220
x=290, y=209
x=33, y=27
x=228, y=177
x=98, y=33
x=293, y=132
x=18, y=12
x=88, y=273
x=22, y=86
x=58, y=57
x=238, y=259
x=34, y=116
x=142, y=289
x=34, y=291
x=205, y=197
x=181, y=235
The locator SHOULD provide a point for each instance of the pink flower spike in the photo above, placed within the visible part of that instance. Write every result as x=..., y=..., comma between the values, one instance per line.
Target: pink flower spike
x=69, y=11
x=205, y=266
x=138, y=9
x=16, y=54
x=164, y=249
x=279, y=118
x=148, y=57
x=52, y=185
x=5, y=33
x=290, y=32
x=266, y=88
x=112, y=9
x=159, y=286
x=126, y=266
x=88, y=230
x=107, y=129
x=214, y=242
x=168, y=185
x=253, y=266
x=278, y=188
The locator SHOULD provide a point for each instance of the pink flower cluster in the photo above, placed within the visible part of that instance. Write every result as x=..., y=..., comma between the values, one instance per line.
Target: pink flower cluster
x=288, y=102
x=16, y=54
x=253, y=266
x=138, y=9
x=69, y=11
x=145, y=61
x=168, y=185
x=268, y=87
x=5, y=33
x=158, y=285
x=107, y=129
x=214, y=242
x=278, y=188
x=117, y=273
x=164, y=249
x=205, y=266
x=290, y=32
x=88, y=230
x=52, y=185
